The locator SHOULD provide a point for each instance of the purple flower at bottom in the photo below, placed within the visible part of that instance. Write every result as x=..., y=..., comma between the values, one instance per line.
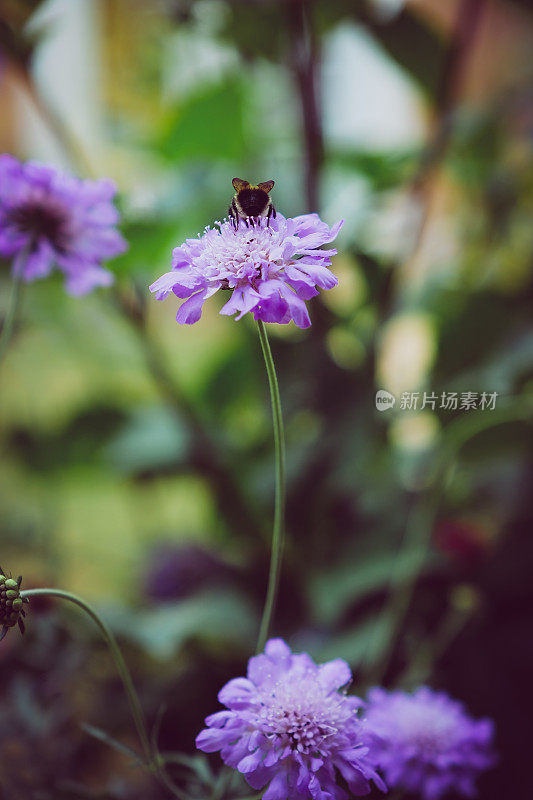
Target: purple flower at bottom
x=271, y=270
x=48, y=218
x=289, y=726
x=427, y=743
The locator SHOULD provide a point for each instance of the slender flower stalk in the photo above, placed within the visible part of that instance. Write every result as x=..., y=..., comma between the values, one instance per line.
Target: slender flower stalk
x=12, y=313
x=153, y=761
x=271, y=269
x=13, y=309
x=118, y=658
x=279, y=508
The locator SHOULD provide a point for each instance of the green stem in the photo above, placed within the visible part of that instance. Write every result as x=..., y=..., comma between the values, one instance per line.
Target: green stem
x=279, y=510
x=421, y=521
x=11, y=315
x=133, y=699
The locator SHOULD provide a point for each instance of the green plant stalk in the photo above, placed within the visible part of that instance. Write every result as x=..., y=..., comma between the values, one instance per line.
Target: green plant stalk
x=133, y=698
x=11, y=314
x=279, y=508
x=422, y=518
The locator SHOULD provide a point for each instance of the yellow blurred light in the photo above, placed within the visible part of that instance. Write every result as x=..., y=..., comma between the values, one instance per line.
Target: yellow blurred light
x=351, y=292
x=406, y=352
x=414, y=432
x=345, y=348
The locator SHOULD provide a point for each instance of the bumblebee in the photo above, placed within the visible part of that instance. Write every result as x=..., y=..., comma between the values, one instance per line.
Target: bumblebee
x=250, y=202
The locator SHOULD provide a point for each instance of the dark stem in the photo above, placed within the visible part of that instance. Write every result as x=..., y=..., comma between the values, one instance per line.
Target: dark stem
x=207, y=458
x=455, y=60
x=422, y=187
x=304, y=61
x=462, y=39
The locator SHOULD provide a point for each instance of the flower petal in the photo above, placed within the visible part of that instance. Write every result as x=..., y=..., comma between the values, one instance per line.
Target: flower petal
x=191, y=310
x=237, y=693
x=278, y=789
x=334, y=674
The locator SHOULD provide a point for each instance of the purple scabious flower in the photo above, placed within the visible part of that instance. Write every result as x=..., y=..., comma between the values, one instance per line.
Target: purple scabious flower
x=270, y=269
x=427, y=743
x=49, y=218
x=289, y=726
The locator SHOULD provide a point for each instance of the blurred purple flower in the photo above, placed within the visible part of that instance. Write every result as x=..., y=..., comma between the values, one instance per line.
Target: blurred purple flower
x=175, y=572
x=287, y=725
x=272, y=269
x=427, y=743
x=48, y=218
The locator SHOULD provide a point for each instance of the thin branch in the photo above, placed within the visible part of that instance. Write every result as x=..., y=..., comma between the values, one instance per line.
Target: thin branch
x=448, y=93
x=207, y=456
x=304, y=61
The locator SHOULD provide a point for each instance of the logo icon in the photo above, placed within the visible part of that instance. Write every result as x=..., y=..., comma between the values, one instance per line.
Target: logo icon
x=384, y=400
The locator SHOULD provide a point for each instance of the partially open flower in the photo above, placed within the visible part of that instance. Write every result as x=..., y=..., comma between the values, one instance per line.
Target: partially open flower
x=289, y=725
x=270, y=269
x=48, y=218
x=11, y=604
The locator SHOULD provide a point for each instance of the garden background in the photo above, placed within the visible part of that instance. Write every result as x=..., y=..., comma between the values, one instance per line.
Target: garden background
x=136, y=456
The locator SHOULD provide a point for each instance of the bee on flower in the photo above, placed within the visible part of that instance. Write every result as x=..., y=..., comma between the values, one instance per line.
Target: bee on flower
x=271, y=264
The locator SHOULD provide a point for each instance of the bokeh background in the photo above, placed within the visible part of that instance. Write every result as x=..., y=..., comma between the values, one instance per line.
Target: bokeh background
x=136, y=456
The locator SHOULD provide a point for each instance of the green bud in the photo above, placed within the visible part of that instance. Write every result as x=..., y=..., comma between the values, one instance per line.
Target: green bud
x=11, y=604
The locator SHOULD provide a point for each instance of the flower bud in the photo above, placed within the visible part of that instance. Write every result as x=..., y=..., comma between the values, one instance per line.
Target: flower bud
x=11, y=604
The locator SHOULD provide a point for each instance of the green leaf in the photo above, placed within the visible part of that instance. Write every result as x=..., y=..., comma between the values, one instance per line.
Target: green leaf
x=150, y=244
x=214, y=615
x=333, y=592
x=153, y=438
x=210, y=125
x=104, y=737
x=365, y=643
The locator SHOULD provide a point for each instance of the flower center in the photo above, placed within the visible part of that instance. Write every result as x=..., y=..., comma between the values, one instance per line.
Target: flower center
x=429, y=735
x=304, y=717
x=237, y=256
x=40, y=221
x=304, y=733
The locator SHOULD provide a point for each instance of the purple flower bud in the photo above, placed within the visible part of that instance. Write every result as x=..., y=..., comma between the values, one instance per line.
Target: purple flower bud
x=175, y=572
